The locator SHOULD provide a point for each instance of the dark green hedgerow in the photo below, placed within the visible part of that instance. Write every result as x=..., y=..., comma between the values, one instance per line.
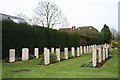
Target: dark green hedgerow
x=18, y=36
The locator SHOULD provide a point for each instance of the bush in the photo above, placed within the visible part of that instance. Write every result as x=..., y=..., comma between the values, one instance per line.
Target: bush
x=18, y=59
x=115, y=44
x=31, y=56
x=6, y=59
x=53, y=58
x=41, y=60
x=87, y=65
x=70, y=55
x=62, y=56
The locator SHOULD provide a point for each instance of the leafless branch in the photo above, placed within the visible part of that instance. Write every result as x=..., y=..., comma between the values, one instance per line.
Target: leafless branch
x=48, y=14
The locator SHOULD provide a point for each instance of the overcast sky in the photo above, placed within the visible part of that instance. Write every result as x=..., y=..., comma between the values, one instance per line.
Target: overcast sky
x=94, y=13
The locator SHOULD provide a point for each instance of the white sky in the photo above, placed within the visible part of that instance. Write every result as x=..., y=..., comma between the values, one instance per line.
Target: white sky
x=94, y=13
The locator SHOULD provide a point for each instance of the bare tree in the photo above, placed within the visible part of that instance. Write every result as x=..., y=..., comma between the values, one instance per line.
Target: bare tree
x=28, y=20
x=48, y=15
x=114, y=33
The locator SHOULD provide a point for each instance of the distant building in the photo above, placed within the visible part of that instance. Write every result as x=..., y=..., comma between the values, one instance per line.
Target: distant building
x=68, y=29
x=87, y=29
x=80, y=29
x=83, y=31
x=13, y=18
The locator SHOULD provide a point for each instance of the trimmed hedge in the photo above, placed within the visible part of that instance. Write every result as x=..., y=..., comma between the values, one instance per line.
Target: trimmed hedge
x=20, y=36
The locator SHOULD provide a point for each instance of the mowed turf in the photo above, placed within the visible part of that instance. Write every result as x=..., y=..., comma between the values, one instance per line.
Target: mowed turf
x=65, y=69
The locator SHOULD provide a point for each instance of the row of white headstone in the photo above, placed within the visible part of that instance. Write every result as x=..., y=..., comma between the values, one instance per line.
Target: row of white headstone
x=80, y=50
x=25, y=54
x=102, y=54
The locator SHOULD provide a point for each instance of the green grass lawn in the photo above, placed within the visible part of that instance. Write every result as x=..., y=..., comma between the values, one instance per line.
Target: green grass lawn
x=65, y=69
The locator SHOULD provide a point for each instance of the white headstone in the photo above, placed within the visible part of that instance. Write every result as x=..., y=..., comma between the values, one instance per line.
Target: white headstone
x=25, y=54
x=99, y=55
x=78, y=51
x=108, y=46
x=46, y=56
x=103, y=53
x=94, y=57
x=58, y=54
x=36, y=52
x=81, y=51
x=73, y=51
x=52, y=50
x=99, y=46
x=94, y=45
x=106, y=52
x=105, y=45
x=12, y=55
x=84, y=49
x=90, y=49
x=66, y=53
x=87, y=50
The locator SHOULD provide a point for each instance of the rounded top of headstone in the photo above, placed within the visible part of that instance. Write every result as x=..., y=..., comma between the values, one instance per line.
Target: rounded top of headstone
x=24, y=48
x=12, y=49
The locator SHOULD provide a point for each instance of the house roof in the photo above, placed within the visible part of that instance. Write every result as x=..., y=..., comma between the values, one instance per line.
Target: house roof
x=80, y=29
x=13, y=18
x=87, y=29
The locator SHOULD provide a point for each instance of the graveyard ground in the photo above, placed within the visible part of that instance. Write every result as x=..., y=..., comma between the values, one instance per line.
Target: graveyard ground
x=65, y=69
